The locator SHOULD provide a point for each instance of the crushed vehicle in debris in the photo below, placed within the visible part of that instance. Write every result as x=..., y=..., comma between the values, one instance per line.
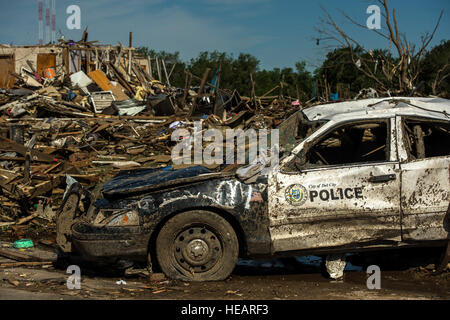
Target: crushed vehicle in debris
x=359, y=175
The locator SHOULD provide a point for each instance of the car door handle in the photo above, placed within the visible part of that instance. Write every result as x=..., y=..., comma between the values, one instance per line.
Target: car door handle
x=384, y=178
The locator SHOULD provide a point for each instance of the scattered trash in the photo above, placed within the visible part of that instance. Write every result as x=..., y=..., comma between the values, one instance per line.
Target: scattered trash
x=335, y=264
x=157, y=277
x=23, y=244
x=14, y=282
x=158, y=291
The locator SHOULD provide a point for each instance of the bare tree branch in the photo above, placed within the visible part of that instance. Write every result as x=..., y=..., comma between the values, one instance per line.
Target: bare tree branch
x=401, y=74
x=428, y=38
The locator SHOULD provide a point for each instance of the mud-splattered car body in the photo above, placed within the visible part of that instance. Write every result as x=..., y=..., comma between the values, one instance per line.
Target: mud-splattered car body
x=131, y=213
x=369, y=177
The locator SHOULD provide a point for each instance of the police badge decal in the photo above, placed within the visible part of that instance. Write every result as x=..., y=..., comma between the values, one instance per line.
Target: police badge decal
x=296, y=194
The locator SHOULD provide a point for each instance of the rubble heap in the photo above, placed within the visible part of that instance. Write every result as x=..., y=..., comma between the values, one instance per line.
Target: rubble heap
x=99, y=112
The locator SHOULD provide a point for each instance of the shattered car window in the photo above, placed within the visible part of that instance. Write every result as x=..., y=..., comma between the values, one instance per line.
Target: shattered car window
x=354, y=143
x=426, y=139
x=296, y=129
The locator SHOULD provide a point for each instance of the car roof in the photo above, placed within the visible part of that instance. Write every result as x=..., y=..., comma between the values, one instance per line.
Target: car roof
x=436, y=108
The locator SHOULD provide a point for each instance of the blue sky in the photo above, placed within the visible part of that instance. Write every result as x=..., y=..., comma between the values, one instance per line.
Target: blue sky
x=278, y=32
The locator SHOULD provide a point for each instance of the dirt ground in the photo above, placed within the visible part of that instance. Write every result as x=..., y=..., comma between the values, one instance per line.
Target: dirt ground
x=405, y=274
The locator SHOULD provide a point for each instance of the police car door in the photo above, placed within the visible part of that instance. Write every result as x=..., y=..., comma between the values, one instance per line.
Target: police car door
x=347, y=192
x=425, y=163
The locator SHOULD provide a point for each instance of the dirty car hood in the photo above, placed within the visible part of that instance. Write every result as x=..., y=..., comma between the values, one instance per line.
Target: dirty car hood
x=146, y=180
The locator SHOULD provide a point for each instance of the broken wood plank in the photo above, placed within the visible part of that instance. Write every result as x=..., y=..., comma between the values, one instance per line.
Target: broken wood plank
x=42, y=188
x=122, y=81
x=18, y=256
x=26, y=219
x=52, y=167
x=23, y=151
x=25, y=264
x=200, y=91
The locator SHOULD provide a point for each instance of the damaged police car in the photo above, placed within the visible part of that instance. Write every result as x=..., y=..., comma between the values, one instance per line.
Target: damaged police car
x=355, y=175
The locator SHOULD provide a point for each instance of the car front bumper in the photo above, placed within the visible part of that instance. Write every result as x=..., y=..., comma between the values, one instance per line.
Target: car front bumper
x=108, y=243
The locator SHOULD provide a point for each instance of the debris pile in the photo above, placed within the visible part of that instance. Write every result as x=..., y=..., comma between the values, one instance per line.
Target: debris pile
x=100, y=112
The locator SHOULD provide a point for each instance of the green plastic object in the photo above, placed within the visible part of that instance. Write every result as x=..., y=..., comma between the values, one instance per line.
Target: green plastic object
x=23, y=244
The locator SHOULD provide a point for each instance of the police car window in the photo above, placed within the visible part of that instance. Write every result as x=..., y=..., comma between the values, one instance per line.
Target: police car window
x=354, y=143
x=294, y=130
x=427, y=139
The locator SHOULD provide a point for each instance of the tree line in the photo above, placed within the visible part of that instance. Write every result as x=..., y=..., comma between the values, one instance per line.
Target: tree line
x=339, y=73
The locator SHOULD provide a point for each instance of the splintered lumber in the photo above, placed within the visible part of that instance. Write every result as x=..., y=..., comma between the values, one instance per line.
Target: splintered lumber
x=53, y=167
x=139, y=74
x=26, y=219
x=120, y=78
x=42, y=188
x=200, y=91
x=25, y=264
x=35, y=155
x=20, y=221
x=18, y=256
x=268, y=92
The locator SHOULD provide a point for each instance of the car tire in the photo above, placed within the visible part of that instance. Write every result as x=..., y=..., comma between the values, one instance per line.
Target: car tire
x=197, y=246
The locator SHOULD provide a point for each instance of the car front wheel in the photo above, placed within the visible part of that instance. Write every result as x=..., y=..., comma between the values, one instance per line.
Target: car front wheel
x=197, y=246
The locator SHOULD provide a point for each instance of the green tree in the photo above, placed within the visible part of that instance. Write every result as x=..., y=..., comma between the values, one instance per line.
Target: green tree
x=294, y=84
x=242, y=67
x=213, y=60
x=304, y=80
x=235, y=73
x=339, y=71
x=436, y=70
x=266, y=80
